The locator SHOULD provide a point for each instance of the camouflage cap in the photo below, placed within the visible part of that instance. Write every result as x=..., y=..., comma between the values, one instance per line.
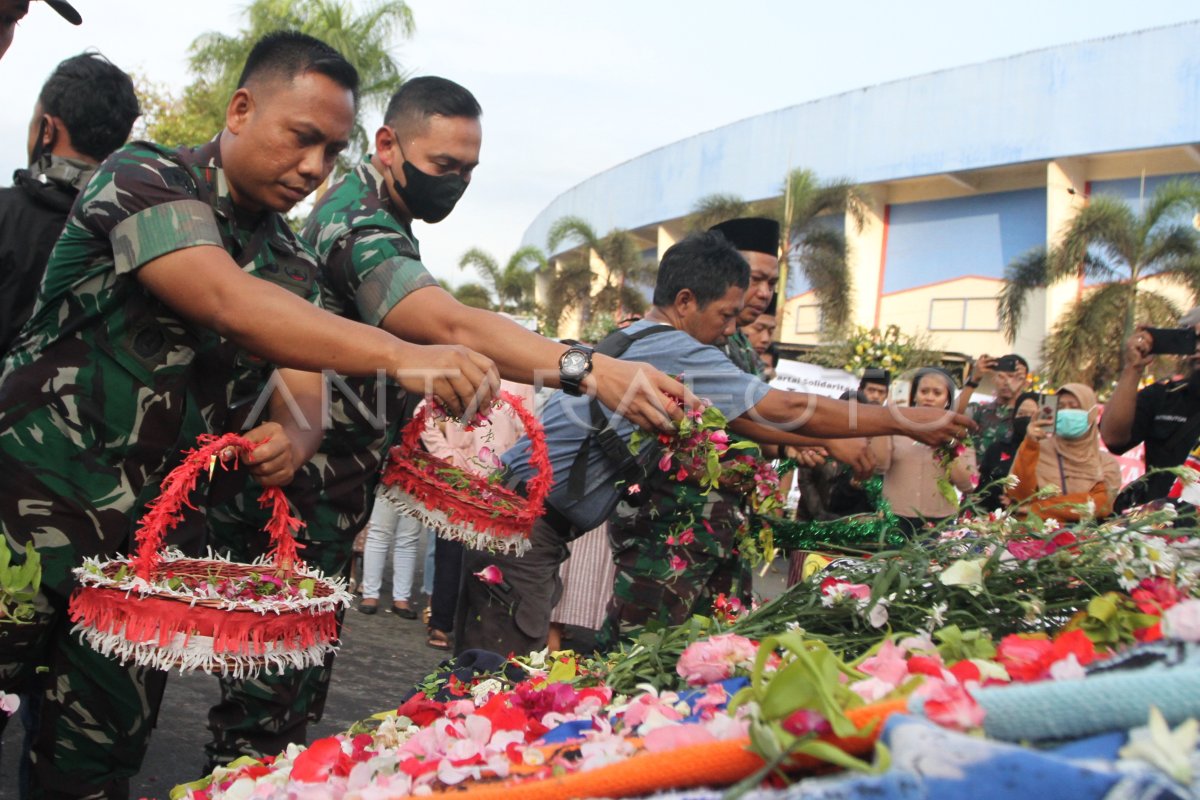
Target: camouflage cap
x=66, y=11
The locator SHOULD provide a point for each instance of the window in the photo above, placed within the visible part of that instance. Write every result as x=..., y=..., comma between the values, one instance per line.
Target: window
x=808, y=319
x=964, y=314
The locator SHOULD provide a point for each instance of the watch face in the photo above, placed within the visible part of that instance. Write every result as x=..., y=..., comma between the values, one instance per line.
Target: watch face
x=574, y=363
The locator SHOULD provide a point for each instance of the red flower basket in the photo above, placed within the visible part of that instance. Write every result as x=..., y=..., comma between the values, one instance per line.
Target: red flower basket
x=162, y=610
x=461, y=506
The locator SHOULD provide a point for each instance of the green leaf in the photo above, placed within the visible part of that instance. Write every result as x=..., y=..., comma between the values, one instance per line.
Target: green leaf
x=1102, y=608
x=833, y=754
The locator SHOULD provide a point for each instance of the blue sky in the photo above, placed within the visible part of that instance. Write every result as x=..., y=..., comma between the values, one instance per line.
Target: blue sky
x=570, y=89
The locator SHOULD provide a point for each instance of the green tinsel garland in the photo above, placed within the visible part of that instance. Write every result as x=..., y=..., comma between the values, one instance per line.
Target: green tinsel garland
x=861, y=530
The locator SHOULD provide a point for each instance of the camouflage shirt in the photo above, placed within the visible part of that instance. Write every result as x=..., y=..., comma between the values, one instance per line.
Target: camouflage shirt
x=105, y=384
x=742, y=354
x=995, y=423
x=370, y=261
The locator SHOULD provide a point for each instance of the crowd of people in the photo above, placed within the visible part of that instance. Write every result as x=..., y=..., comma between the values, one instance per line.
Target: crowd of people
x=153, y=295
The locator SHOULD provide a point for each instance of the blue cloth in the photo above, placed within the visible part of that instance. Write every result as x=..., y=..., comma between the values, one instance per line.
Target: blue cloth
x=569, y=731
x=567, y=420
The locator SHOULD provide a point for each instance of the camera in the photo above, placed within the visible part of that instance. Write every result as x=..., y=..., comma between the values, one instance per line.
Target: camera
x=1172, y=341
x=1005, y=364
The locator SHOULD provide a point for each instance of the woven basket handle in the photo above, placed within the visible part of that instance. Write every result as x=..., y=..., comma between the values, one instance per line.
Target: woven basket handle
x=536, y=487
x=166, y=510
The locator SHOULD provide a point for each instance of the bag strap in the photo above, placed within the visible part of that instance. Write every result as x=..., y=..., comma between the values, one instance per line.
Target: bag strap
x=602, y=430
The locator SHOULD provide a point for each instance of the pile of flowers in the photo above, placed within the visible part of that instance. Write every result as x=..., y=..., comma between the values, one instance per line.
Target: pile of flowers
x=557, y=719
x=702, y=451
x=990, y=602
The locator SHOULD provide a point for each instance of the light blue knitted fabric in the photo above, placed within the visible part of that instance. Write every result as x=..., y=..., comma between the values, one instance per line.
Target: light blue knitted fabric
x=1098, y=703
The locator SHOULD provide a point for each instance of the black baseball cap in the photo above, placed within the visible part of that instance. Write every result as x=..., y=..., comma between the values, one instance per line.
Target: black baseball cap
x=66, y=11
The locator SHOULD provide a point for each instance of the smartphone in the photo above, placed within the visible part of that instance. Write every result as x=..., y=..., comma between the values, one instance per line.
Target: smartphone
x=1048, y=408
x=1172, y=341
x=1005, y=364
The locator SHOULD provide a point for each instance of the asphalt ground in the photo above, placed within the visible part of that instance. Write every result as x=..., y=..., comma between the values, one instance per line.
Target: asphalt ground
x=382, y=656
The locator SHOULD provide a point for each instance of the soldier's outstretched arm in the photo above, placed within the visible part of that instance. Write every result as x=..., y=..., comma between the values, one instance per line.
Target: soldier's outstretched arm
x=638, y=392
x=824, y=417
x=204, y=285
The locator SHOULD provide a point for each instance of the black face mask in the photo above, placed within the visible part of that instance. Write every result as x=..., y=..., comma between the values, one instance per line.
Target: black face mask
x=1020, y=427
x=429, y=198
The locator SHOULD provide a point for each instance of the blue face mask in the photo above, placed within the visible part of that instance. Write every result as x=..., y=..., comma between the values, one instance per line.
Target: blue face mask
x=1071, y=423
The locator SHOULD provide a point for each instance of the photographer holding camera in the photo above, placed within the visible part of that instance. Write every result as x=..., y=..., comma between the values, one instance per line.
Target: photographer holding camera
x=1009, y=375
x=1165, y=416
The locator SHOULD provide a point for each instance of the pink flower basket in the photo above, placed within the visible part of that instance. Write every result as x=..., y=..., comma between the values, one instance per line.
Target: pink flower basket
x=459, y=505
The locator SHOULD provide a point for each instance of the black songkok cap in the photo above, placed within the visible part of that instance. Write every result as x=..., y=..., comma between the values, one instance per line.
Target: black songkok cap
x=755, y=234
x=876, y=375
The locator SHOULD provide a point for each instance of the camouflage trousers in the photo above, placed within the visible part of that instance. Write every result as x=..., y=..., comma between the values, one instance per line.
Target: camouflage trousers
x=647, y=592
x=261, y=716
x=94, y=715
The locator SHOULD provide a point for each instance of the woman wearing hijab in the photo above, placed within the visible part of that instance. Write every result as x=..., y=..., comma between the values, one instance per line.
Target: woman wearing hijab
x=1064, y=453
x=998, y=458
x=910, y=469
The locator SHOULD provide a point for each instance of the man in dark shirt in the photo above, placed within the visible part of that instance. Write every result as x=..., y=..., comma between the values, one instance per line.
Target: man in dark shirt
x=84, y=112
x=1165, y=416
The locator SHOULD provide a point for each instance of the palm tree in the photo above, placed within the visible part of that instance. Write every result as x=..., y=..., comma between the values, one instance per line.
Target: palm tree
x=627, y=270
x=822, y=253
x=513, y=286
x=365, y=38
x=1111, y=244
x=713, y=209
x=569, y=286
x=473, y=294
x=1070, y=352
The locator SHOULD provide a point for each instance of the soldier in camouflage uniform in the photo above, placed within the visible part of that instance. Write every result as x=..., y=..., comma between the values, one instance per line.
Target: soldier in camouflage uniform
x=175, y=283
x=675, y=521
x=426, y=152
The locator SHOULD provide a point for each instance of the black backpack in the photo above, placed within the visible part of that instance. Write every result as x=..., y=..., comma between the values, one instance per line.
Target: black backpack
x=631, y=468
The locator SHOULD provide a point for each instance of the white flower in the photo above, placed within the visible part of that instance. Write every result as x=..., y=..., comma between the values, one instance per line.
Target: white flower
x=878, y=616
x=1180, y=621
x=1169, y=751
x=483, y=690
x=937, y=615
x=1067, y=669
x=966, y=572
x=9, y=703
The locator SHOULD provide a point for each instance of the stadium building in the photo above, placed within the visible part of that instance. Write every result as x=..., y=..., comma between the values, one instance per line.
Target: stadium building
x=968, y=168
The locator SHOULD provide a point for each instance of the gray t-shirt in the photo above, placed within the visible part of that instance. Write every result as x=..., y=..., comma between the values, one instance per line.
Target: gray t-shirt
x=566, y=420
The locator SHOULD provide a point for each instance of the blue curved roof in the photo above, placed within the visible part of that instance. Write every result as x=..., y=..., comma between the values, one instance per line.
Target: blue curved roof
x=1133, y=91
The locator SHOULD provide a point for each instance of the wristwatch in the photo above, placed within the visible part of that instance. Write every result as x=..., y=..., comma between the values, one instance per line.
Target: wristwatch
x=573, y=366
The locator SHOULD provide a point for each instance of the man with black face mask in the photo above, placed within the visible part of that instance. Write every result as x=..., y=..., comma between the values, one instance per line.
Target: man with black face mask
x=84, y=112
x=425, y=154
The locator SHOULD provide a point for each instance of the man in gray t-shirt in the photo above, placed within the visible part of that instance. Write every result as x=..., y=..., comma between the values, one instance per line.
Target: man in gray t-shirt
x=699, y=292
